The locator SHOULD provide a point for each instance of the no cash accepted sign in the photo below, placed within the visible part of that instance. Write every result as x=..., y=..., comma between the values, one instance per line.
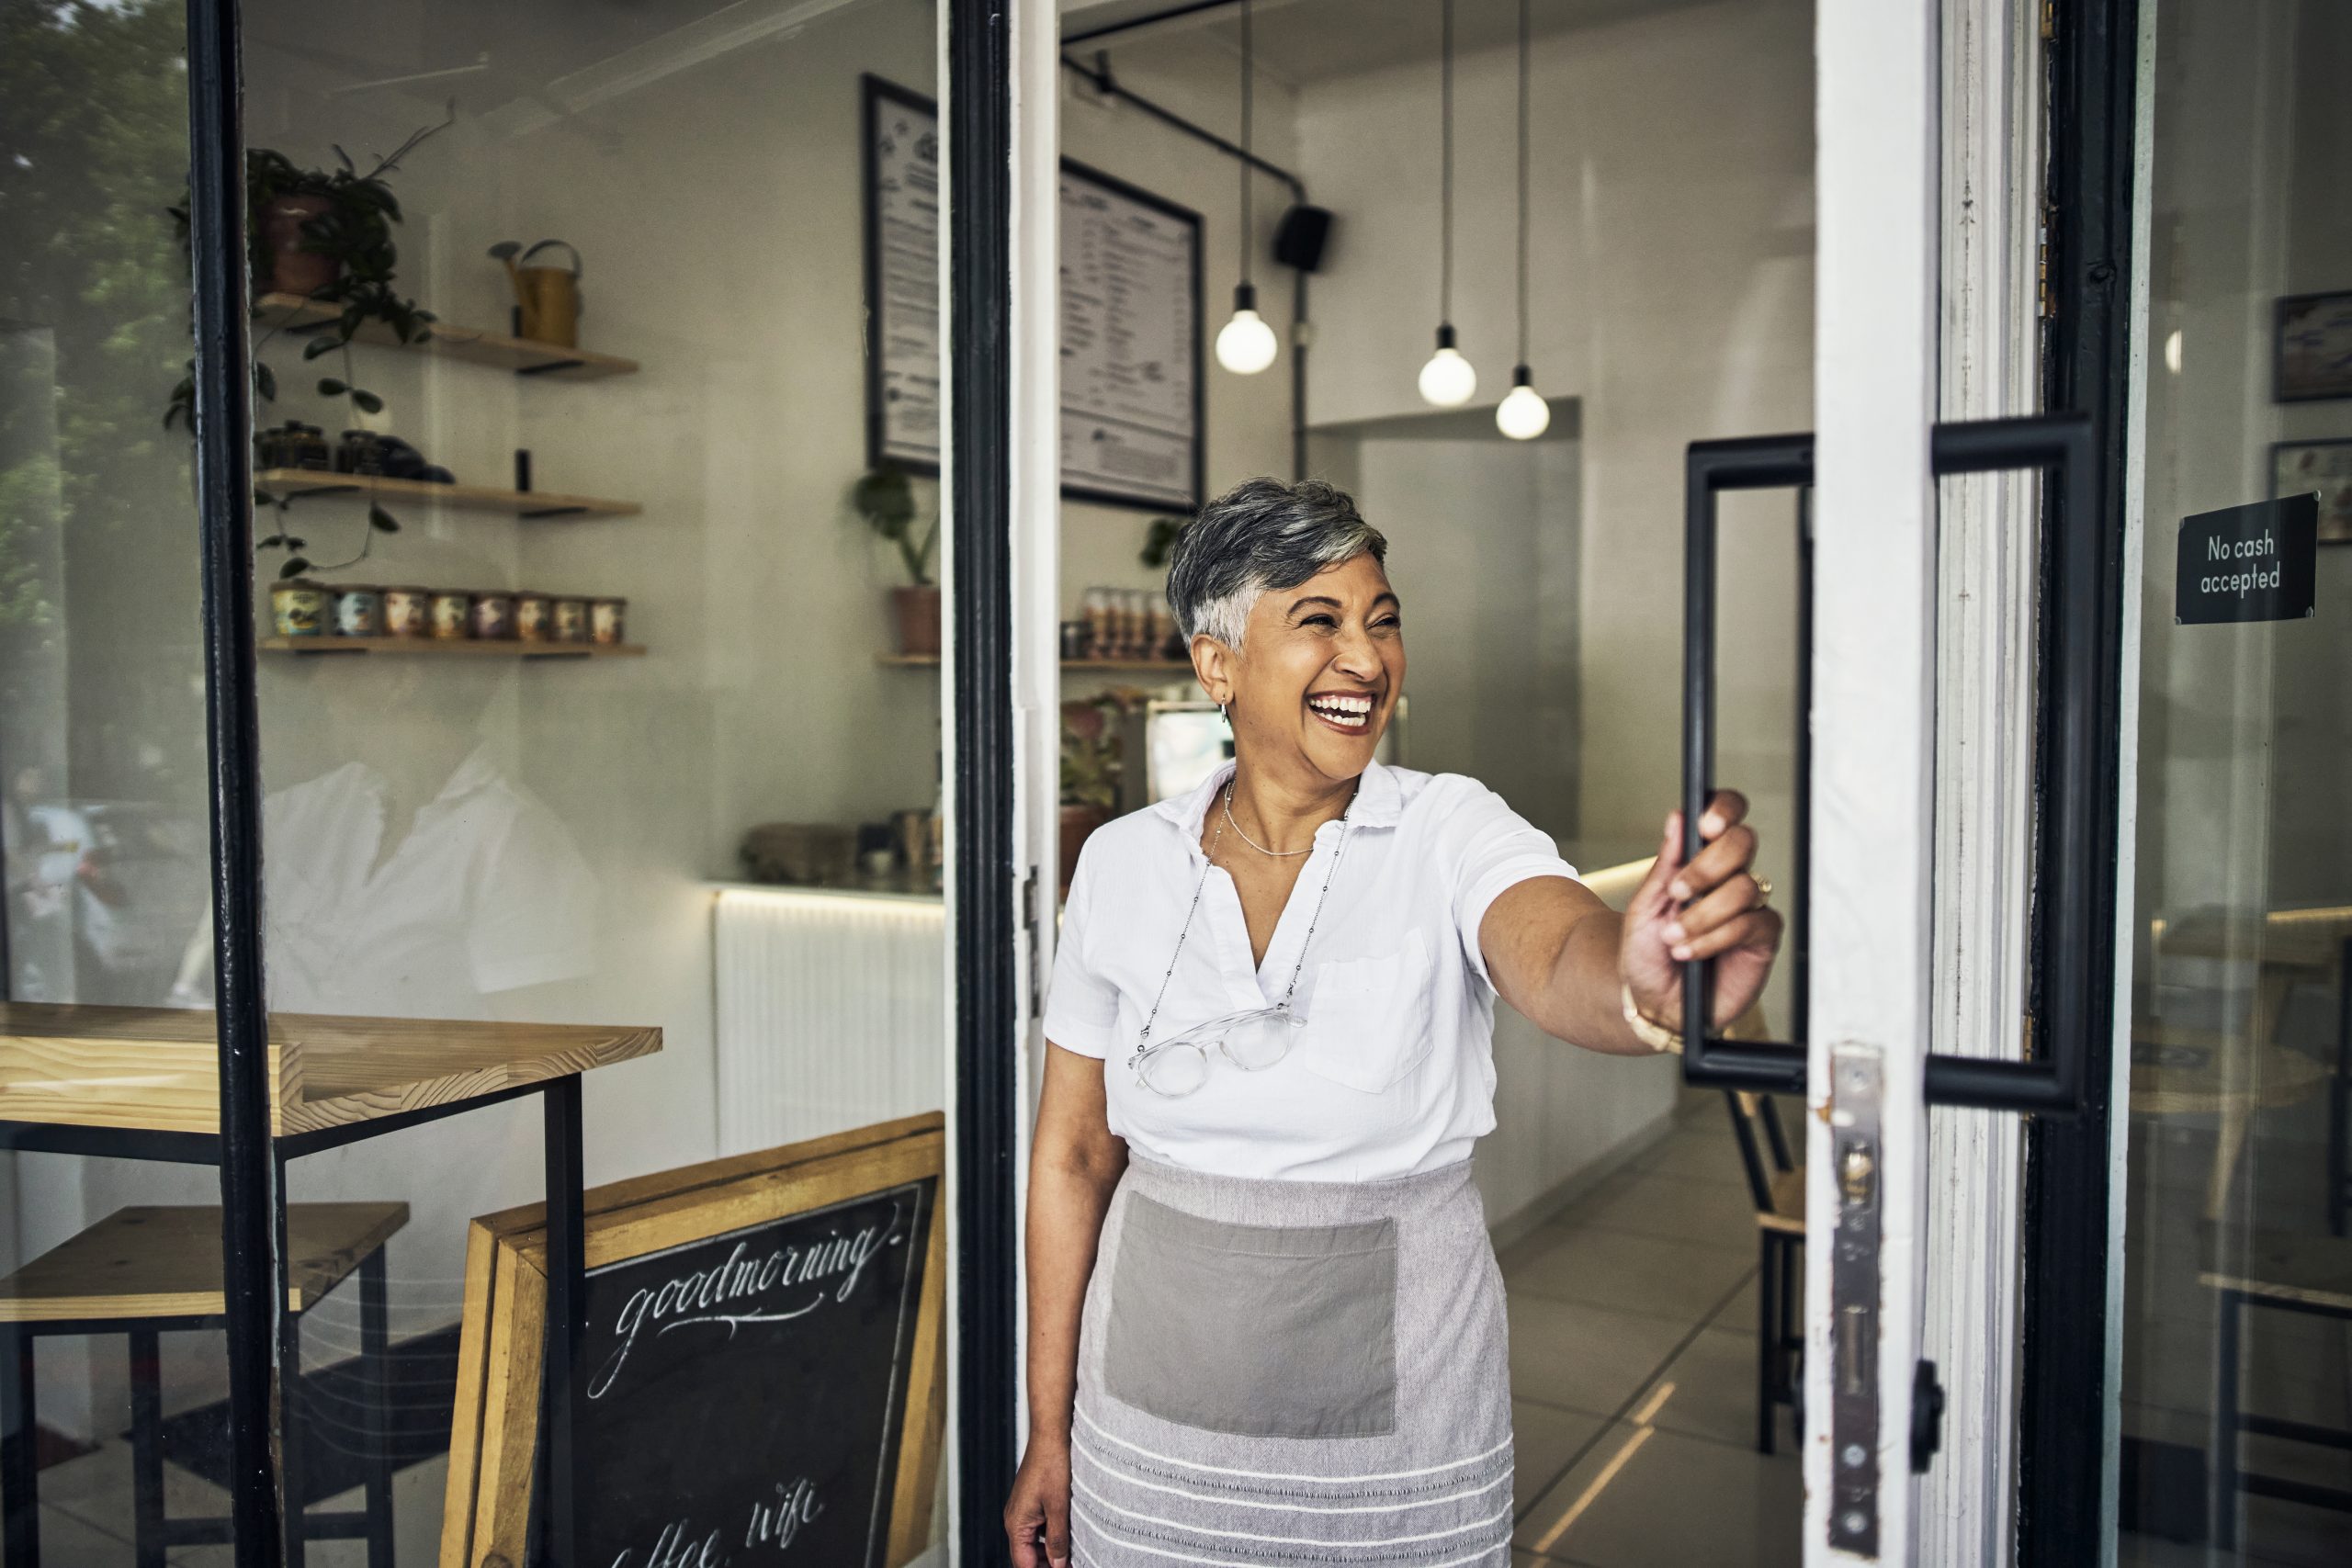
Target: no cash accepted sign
x=2248, y=563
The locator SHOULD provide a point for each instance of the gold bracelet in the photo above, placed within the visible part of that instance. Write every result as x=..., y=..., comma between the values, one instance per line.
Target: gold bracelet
x=1647, y=1030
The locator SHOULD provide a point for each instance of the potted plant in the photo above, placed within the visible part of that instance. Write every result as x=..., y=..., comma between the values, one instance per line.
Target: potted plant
x=327, y=236
x=885, y=499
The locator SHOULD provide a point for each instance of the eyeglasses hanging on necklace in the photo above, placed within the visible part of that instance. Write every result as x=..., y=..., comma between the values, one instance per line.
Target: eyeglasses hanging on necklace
x=1245, y=346
x=1448, y=380
x=1523, y=415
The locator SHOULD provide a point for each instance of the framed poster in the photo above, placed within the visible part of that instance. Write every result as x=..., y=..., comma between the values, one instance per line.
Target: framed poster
x=904, y=346
x=761, y=1368
x=1130, y=324
x=2325, y=467
x=2311, y=352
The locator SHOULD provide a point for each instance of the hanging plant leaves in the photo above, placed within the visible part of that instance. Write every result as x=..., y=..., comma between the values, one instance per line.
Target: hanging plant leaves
x=320, y=345
x=294, y=567
x=330, y=387
x=368, y=402
x=265, y=380
x=382, y=521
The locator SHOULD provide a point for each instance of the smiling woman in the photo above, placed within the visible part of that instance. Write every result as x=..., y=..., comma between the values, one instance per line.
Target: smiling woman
x=1253, y=1230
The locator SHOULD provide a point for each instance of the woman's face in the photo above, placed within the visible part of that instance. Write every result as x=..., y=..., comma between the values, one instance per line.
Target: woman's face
x=1320, y=668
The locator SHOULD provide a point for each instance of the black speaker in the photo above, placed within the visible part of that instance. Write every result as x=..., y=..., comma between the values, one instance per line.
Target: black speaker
x=1300, y=237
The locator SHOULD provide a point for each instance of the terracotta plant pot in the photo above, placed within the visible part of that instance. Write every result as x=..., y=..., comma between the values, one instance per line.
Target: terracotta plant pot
x=1078, y=821
x=294, y=270
x=917, y=610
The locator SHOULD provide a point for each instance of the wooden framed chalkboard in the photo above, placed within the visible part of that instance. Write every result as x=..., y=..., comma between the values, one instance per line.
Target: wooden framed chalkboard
x=761, y=1363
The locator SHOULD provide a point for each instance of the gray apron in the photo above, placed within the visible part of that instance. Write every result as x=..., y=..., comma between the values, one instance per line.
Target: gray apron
x=1291, y=1372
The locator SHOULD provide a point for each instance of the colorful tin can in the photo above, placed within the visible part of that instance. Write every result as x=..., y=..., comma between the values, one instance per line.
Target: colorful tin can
x=608, y=621
x=300, y=608
x=408, y=611
x=534, y=615
x=359, y=612
x=570, y=620
x=493, y=614
x=452, y=613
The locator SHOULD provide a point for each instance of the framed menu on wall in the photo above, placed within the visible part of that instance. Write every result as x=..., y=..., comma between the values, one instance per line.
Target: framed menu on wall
x=1130, y=327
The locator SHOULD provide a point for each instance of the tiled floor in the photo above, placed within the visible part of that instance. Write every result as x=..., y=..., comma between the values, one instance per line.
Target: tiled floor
x=1632, y=1329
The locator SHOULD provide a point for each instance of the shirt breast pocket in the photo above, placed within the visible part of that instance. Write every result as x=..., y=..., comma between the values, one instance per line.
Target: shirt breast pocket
x=1368, y=1020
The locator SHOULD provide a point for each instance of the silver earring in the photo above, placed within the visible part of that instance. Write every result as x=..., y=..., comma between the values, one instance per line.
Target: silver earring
x=1222, y=714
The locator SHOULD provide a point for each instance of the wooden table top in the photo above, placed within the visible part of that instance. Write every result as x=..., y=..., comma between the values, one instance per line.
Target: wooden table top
x=2283, y=938
x=157, y=1069
x=2183, y=1072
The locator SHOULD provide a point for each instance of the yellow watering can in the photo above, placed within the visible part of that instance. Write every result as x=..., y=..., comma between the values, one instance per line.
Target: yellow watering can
x=547, y=297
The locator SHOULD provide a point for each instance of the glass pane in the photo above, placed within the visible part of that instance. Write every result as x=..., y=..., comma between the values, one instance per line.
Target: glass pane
x=582, y=721
x=2238, y=1305
x=108, y=1259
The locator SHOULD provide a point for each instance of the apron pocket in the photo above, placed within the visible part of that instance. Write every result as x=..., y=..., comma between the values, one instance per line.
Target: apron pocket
x=1262, y=1331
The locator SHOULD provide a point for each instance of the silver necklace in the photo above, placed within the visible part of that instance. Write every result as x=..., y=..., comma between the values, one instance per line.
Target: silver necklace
x=1313, y=919
x=1277, y=854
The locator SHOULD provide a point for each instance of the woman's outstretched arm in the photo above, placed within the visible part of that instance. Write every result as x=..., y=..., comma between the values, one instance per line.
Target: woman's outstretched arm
x=1565, y=960
x=1074, y=1164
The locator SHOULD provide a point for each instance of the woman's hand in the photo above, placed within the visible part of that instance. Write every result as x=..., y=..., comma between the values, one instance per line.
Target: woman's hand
x=1711, y=908
x=1039, y=1507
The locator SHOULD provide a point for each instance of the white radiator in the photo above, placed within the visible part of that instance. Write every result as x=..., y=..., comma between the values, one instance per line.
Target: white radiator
x=831, y=1013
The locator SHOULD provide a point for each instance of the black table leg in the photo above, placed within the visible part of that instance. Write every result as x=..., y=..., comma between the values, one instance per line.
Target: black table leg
x=146, y=1447
x=2225, y=1421
x=293, y=1412
x=376, y=1353
x=567, y=1297
x=19, y=1471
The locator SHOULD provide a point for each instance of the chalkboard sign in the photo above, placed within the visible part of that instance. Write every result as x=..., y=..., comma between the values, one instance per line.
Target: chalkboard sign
x=741, y=1396
x=758, y=1372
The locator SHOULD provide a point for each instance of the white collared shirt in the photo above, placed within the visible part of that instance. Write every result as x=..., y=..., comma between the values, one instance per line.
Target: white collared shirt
x=1394, y=1072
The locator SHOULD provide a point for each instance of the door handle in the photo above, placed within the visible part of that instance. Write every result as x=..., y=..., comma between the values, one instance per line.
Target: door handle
x=2050, y=1085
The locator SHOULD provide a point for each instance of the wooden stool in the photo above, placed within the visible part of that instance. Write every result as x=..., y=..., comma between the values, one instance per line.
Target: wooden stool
x=2285, y=1272
x=1778, y=1192
x=142, y=1273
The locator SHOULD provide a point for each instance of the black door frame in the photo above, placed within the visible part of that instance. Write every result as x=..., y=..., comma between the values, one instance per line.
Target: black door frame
x=2086, y=366
x=978, y=103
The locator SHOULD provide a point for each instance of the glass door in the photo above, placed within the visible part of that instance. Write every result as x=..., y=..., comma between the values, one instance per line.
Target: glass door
x=2231, y=1163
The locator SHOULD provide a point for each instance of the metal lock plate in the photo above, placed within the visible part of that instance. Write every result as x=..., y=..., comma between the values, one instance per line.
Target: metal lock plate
x=1856, y=1101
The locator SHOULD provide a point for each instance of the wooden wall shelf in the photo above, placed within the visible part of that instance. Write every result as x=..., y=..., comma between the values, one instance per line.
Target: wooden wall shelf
x=294, y=315
x=307, y=484
x=1130, y=666
x=499, y=647
x=157, y=1069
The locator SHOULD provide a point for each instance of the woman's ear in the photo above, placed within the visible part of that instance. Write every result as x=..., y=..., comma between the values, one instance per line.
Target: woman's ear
x=1212, y=666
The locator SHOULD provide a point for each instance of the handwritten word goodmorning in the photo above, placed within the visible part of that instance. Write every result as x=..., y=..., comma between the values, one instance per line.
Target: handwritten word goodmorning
x=742, y=1289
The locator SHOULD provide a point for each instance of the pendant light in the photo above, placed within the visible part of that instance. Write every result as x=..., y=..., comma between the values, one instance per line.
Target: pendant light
x=1245, y=346
x=1523, y=415
x=1448, y=380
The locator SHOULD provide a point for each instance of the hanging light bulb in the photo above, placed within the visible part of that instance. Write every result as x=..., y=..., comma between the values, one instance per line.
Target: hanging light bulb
x=1523, y=415
x=1246, y=344
x=1448, y=380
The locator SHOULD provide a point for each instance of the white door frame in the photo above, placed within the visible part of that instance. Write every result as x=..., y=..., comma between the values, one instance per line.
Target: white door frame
x=1875, y=395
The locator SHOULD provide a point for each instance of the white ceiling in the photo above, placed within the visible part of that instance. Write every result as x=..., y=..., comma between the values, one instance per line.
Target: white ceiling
x=1308, y=40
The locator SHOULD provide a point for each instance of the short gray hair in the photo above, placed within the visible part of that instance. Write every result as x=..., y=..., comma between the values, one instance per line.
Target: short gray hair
x=1263, y=534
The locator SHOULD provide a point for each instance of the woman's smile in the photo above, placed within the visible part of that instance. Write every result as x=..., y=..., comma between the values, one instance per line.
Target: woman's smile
x=1350, y=713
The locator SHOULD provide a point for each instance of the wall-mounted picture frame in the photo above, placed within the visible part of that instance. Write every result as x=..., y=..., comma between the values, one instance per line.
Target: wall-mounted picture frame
x=2325, y=467
x=761, y=1361
x=2311, y=347
x=1134, y=361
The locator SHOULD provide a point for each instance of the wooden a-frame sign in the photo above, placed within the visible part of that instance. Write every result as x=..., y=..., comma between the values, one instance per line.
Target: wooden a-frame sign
x=762, y=1365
